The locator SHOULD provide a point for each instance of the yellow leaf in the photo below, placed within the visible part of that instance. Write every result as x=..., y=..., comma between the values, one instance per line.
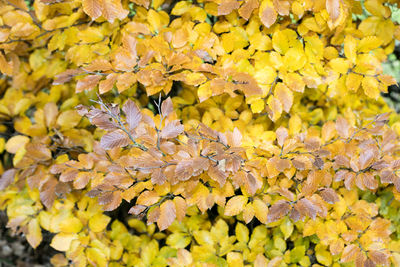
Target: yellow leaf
x=71, y=225
x=275, y=108
x=15, y=143
x=323, y=256
x=295, y=82
x=242, y=233
x=235, y=205
x=353, y=81
x=295, y=124
x=68, y=119
x=204, y=92
x=34, y=236
x=96, y=257
x=180, y=8
x=154, y=20
x=234, y=259
x=286, y=227
x=369, y=43
x=371, y=87
x=295, y=59
x=260, y=210
x=257, y=106
x=350, y=48
x=98, y=222
x=62, y=241
x=284, y=95
x=178, y=240
x=339, y=65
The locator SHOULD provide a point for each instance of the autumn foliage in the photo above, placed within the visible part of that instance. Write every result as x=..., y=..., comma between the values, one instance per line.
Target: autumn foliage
x=200, y=133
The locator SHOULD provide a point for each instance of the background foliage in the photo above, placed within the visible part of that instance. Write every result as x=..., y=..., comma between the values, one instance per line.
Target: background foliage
x=201, y=133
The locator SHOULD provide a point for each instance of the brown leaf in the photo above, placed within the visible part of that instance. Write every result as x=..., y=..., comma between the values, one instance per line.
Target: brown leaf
x=378, y=257
x=283, y=164
x=360, y=260
x=217, y=175
x=158, y=177
x=66, y=76
x=281, y=135
x=132, y=113
x=342, y=126
x=51, y=111
x=129, y=43
x=268, y=14
x=5, y=67
x=227, y=6
x=143, y=3
x=387, y=176
x=329, y=195
x=38, y=152
x=283, y=7
x=114, y=139
x=153, y=215
x=107, y=84
x=180, y=206
x=125, y=81
x=148, y=198
x=333, y=8
x=114, y=202
x=366, y=158
x=286, y=193
x=7, y=178
x=99, y=64
x=167, y=107
x=246, y=83
x=328, y=131
x=137, y=209
x=307, y=208
x=104, y=121
x=349, y=181
x=168, y=147
x=167, y=215
x=318, y=162
x=184, y=170
x=349, y=253
x=368, y=263
x=87, y=83
x=82, y=179
x=47, y=193
x=247, y=8
x=112, y=9
x=68, y=175
x=369, y=181
x=278, y=210
x=284, y=95
x=251, y=184
x=172, y=129
x=92, y=8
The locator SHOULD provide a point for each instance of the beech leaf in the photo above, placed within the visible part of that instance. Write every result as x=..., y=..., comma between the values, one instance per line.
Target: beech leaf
x=114, y=139
x=132, y=113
